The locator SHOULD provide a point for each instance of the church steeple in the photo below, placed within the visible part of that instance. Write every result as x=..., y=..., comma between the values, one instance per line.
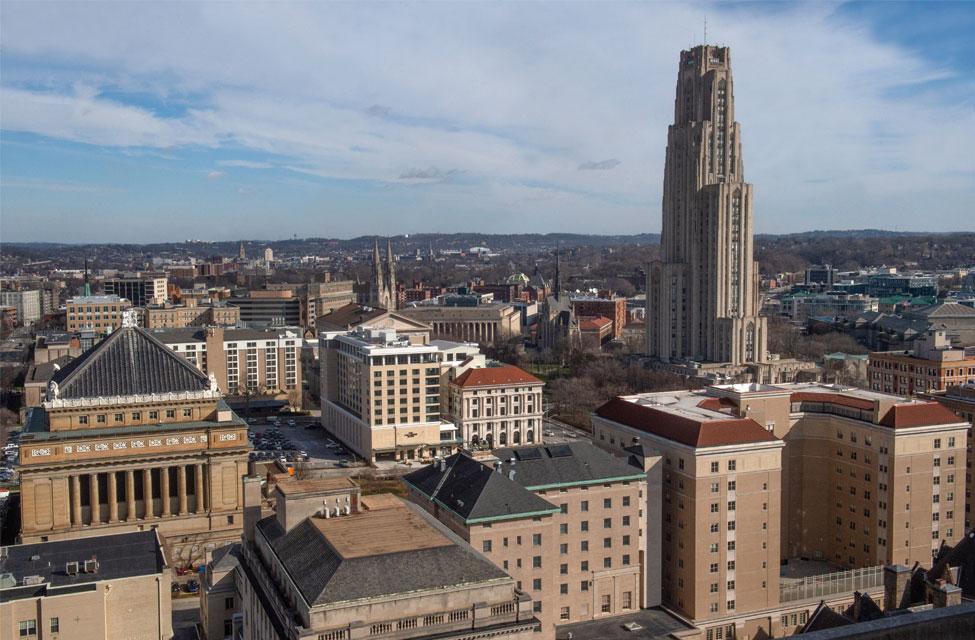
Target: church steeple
x=391, y=276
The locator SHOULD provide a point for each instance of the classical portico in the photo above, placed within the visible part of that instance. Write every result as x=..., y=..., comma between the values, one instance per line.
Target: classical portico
x=132, y=437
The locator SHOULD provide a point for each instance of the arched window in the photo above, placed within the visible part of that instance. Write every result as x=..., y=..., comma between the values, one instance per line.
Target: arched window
x=503, y=438
x=516, y=436
x=529, y=436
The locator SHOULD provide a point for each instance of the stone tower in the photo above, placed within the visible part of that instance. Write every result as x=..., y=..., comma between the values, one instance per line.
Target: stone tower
x=702, y=295
x=383, y=286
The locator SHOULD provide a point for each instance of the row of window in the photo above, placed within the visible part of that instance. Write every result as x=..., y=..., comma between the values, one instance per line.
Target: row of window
x=28, y=628
x=102, y=418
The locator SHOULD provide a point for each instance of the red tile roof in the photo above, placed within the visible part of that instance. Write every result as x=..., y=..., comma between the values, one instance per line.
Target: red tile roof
x=717, y=404
x=832, y=398
x=696, y=433
x=594, y=324
x=921, y=414
x=493, y=376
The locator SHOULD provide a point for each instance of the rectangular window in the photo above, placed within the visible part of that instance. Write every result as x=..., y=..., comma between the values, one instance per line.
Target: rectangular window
x=537, y=562
x=605, y=604
x=28, y=628
x=486, y=546
x=55, y=625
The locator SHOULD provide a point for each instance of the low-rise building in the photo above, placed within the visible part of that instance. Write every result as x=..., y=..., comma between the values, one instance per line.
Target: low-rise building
x=190, y=314
x=388, y=572
x=563, y=520
x=497, y=405
x=91, y=588
x=482, y=323
x=220, y=615
x=933, y=365
x=100, y=314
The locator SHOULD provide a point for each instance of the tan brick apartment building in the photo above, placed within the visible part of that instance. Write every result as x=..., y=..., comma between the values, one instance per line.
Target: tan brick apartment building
x=933, y=365
x=755, y=475
x=563, y=520
x=95, y=313
x=131, y=437
x=95, y=588
x=961, y=400
x=259, y=361
x=499, y=405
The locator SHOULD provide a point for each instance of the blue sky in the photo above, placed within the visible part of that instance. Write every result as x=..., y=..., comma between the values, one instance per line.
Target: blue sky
x=137, y=122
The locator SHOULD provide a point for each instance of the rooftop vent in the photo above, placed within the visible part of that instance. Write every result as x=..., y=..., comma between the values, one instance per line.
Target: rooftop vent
x=71, y=568
x=29, y=580
x=90, y=566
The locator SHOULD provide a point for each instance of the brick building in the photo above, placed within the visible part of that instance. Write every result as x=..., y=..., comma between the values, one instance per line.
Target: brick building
x=563, y=520
x=932, y=365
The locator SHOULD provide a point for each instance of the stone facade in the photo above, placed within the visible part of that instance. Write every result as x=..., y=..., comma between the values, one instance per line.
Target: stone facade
x=703, y=294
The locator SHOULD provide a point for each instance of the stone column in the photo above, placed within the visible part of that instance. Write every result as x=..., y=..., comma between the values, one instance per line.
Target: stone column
x=76, y=501
x=96, y=512
x=147, y=494
x=181, y=488
x=200, y=493
x=112, y=496
x=130, y=495
x=164, y=474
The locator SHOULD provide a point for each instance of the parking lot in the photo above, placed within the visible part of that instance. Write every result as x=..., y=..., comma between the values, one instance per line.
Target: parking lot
x=556, y=432
x=8, y=457
x=298, y=440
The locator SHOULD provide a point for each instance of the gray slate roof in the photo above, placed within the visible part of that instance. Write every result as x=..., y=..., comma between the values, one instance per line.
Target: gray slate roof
x=128, y=362
x=474, y=491
x=121, y=555
x=324, y=577
x=563, y=464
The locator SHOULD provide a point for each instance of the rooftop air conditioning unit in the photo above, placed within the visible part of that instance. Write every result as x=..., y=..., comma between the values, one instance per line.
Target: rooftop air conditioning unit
x=91, y=566
x=71, y=568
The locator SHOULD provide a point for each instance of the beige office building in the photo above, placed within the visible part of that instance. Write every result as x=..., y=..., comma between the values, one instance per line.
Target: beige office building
x=484, y=323
x=382, y=570
x=758, y=475
x=130, y=437
x=96, y=588
x=563, y=520
x=381, y=392
x=140, y=288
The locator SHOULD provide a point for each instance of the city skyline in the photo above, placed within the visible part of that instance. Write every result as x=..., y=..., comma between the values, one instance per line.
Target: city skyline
x=538, y=117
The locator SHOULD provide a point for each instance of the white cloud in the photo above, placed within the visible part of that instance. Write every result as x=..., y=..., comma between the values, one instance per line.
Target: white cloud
x=247, y=164
x=215, y=175
x=511, y=95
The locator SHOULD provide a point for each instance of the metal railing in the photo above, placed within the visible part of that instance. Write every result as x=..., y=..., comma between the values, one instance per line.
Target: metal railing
x=828, y=584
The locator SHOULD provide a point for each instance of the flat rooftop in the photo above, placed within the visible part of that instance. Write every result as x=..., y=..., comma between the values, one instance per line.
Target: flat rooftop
x=298, y=487
x=122, y=555
x=654, y=624
x=380, y=532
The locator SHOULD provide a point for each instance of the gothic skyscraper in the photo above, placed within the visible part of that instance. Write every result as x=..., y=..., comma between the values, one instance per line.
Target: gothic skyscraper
x=703, y=293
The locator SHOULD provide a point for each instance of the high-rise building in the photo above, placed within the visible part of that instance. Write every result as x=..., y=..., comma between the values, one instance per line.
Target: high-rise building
x=703, y=293
x=768, y=488
x=381, y=391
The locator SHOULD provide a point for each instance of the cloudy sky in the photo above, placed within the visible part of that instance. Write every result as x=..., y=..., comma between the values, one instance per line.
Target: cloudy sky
x=143, y=121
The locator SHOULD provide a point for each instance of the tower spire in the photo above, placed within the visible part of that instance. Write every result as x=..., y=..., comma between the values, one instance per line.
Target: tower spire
x=391, y=271
x=87, y=279
x=377, y=275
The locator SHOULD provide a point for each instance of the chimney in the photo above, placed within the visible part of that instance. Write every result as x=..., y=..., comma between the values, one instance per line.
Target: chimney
x=896, y=579
x=252, y=506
